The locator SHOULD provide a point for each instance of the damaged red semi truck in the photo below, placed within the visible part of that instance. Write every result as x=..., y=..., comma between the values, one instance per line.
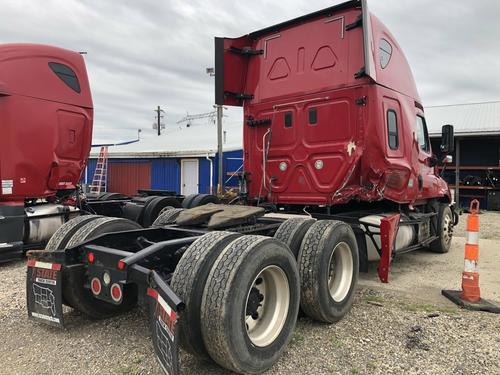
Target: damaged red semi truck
x=334, y=127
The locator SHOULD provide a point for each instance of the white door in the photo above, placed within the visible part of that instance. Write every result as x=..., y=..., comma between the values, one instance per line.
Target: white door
x=189, y=176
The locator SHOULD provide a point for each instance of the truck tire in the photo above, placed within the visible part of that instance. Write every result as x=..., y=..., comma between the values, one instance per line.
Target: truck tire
x=153, y=208
x=292, y=232
x=445, y=230
x=188, y=282
x=166, y=218
x=74, y=291
x=111, y=196
x=61, y=237
x=133, y=211
x=165, y=209
x=186, y=203
x=250, y=304
x=202, y=199
x=329, y=267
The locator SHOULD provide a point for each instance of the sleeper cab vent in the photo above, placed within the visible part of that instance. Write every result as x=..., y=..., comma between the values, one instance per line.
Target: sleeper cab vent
x=66, y=74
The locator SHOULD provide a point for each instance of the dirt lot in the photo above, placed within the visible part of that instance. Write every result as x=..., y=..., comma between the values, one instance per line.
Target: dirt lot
x=405, y=326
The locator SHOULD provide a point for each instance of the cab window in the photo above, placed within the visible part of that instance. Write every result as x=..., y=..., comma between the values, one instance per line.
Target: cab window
x=392, y=130
x=385, y=52
x=66, y=74
x=422, y=135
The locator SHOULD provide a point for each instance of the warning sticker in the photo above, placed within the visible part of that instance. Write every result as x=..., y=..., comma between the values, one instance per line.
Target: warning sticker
x=7, y=186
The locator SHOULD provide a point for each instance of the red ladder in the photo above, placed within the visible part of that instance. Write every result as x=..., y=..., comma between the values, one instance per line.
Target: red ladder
x=101, y=172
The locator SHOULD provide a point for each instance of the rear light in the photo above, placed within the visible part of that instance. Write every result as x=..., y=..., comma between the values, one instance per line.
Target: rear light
x=90, y=257
x=116, y=293
x=106, y=277
x=397, y=179
x=121, y=265
x=95, y=285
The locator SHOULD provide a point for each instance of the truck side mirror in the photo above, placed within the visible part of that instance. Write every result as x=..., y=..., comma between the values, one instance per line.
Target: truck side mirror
x=448, y=159
x=447, y=139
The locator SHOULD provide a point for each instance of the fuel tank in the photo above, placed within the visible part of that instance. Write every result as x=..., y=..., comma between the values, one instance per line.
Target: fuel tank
x=405, y=237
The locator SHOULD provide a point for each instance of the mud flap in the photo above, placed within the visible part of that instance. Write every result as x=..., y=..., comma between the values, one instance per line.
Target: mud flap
x=44, y=292
x=164, y=332
x=388, y=230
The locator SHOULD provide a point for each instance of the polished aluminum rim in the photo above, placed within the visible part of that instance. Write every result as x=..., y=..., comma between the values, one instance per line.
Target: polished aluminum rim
x=447, y=229
x=267, y=318
x=341, y=270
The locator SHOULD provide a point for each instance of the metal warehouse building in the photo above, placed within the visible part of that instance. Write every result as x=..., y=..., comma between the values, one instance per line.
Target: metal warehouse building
x=475, y=172
x=183, y=160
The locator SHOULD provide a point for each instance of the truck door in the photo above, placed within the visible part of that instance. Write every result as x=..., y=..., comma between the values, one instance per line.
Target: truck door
x=426, y=177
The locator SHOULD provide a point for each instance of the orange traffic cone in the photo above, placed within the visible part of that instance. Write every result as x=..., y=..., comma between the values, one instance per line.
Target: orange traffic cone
x=470, y=276
x=470, y=297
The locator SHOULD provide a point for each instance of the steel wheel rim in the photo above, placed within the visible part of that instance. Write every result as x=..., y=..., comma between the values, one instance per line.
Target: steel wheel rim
x=447, y=229
x=340, y=272
x=272, y=311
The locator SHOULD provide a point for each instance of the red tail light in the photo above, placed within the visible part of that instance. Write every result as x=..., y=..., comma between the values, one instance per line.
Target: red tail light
x=121, y=265
x=95, y=285
x=90, y=257
x=116, y=292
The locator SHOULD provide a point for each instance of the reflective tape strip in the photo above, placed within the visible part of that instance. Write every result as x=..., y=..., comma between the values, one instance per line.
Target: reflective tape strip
x=470, y=266
x=473, y=223
x=471, y=252
x=45, y=265
x=472, y=238
x=154, y=293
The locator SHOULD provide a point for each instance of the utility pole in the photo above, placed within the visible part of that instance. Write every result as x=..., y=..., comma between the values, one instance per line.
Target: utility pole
x=159, y=125
x=220, y=153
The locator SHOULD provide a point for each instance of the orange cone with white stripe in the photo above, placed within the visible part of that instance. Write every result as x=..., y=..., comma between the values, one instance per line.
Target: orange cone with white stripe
x=470, y=276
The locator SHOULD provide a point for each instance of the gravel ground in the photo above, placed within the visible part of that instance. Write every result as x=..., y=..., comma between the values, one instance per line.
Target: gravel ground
x=385, y=333
x=489, y=225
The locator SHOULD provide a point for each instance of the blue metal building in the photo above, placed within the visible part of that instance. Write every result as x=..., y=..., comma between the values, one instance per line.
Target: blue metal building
x=183, y=160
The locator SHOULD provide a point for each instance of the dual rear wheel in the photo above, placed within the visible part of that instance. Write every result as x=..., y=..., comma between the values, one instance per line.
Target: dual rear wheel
x=75, y=294
x=243, y=293
x=242, y=298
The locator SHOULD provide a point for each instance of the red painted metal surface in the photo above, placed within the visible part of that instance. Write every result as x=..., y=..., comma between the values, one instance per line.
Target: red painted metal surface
x=46, y=126
x=388, y=231
x=127, y=178
x=323, y=126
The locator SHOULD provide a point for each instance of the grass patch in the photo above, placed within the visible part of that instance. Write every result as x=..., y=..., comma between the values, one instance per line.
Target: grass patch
x=336, y=342
x=126, y=370
x=426, y=307
x=297, y=339
x=138, y=360
x=355, y=371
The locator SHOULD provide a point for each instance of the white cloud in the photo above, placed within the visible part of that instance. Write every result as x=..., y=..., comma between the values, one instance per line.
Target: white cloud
x=149, y=53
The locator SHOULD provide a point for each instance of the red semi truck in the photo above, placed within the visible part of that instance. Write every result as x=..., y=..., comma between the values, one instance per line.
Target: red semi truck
x=46, y=115
x=333, y=127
